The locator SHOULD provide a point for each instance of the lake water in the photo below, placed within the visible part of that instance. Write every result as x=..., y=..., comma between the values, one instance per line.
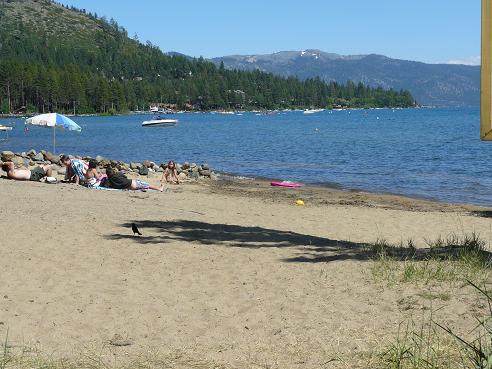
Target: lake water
x=432, y=153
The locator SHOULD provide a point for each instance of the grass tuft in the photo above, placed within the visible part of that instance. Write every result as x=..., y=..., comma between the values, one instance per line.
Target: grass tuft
x=453, y=259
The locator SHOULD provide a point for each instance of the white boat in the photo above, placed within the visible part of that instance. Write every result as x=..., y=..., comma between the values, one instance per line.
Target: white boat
x=5, y=128
x=160, y=123
x=313, y=111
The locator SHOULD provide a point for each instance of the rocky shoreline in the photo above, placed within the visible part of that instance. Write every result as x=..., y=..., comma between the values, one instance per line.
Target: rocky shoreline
x=32, y=158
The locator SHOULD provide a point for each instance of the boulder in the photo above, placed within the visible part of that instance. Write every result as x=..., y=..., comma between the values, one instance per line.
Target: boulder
x=38, y=157
x=104, y=163
x=23, y=154
x=205, y=173
x=182, y=176
x=147, y=163
x=7, y=155
x=194, y=175
x=61, y=170
x=143, y=170
x=31, y=153
x=205, y=166
x=160, y=170
x=135, y=166
x=51, y=158
x=185, y=166
x=99, y=158
x=18, y=161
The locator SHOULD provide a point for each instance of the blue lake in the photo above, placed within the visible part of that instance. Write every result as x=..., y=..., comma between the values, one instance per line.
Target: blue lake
x=432, y=153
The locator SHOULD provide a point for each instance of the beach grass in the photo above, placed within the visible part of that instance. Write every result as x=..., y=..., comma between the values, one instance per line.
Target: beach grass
x=454, y=259
x=428, y=344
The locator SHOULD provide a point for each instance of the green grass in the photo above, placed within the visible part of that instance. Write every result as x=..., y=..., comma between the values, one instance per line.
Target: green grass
x=454, y=259
x=431, y=345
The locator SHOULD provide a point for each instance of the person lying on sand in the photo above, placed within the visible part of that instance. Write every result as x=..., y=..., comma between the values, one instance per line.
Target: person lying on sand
x=170, y=175
x=93, y=178
x=76, y=169
x=118, y=180
x=35, y=175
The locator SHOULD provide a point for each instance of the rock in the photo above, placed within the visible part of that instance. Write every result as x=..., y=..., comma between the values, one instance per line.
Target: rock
x=160, y=170
x=135, y=165
x=31, y=153
x=23, y=154
x=182, y=176
x=38, y=157
x=104, y=163
x=143, y=170
x=194, y=169
x=185, y=166
x=205, y=166
x=18, y=161
x=61, y=170
x=51, y=158
x=205, y=173
x=99, y=158
x=7, y=155
x=214, y=177
x=194, y=175
x=146, y=163
x=114, y=163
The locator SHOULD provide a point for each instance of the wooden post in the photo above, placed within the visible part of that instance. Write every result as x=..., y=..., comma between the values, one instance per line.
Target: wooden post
x=486, y=73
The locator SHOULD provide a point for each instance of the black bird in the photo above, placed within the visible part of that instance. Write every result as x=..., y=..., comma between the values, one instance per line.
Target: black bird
x=135, y=230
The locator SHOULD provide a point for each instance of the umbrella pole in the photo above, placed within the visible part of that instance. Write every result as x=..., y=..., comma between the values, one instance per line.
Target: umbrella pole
x=54, y=139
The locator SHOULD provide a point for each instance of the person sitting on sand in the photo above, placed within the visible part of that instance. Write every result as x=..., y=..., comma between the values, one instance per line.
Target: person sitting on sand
x=93, y=178
x=76, y=169
x=36, y=174
x=170, y=175
x=118, y=180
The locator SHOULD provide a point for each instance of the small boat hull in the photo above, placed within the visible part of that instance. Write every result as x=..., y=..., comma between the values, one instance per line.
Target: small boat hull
x=160, y=123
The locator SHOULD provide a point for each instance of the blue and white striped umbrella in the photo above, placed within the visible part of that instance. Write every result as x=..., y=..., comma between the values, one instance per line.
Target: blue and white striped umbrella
x=54, y=120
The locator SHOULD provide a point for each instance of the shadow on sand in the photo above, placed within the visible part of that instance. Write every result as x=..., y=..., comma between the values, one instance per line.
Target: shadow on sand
x=308, y=248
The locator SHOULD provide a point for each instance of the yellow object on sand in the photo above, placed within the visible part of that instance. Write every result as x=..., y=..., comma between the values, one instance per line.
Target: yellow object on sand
x=300, y=202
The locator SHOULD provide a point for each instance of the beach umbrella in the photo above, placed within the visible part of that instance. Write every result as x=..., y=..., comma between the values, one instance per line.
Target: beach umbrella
x=54, y=120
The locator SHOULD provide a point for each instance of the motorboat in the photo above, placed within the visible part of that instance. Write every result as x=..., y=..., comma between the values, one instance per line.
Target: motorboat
x=5, y=128
x=159, y=122
x=313, y=111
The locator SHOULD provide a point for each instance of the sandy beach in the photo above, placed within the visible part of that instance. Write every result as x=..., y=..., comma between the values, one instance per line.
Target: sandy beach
x=227, y=274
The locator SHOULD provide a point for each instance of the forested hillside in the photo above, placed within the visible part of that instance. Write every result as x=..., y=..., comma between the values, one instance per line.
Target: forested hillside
x=57, y=59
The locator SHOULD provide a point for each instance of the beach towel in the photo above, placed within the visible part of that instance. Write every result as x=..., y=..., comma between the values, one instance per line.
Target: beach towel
x=79, y=168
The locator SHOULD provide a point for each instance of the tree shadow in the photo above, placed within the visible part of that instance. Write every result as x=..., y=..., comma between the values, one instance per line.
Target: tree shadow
x=309, y=248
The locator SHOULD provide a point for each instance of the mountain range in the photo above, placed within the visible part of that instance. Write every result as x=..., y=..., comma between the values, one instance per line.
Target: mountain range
x=430, y=84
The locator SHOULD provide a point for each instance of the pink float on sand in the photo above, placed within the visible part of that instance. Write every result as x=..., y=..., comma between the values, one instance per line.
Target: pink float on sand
x=286, y=184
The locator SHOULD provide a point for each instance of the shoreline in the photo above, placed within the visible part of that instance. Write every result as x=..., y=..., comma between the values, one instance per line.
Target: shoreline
x=193, y=172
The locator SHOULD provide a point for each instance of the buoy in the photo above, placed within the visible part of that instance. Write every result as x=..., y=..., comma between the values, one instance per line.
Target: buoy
x=300, y=202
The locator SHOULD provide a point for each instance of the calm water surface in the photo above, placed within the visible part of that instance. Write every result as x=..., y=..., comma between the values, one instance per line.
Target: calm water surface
x=433, y=153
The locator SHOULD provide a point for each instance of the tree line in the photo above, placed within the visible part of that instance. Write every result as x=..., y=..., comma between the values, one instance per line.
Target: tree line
x=100, y=70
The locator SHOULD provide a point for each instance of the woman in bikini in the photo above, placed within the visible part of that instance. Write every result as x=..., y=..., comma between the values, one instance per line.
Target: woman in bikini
x=170, y=175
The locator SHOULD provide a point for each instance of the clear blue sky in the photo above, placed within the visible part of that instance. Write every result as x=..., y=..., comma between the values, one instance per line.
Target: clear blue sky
x=426, y=30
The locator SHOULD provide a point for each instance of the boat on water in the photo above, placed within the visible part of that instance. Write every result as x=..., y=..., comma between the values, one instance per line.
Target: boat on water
x=5, y=128
x=313, y=111
x=159, y=122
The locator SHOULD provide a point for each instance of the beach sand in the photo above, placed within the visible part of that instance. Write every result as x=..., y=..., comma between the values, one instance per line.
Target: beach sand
x=227, y=274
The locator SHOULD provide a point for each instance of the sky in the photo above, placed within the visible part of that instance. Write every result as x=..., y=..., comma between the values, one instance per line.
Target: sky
x=433, y=31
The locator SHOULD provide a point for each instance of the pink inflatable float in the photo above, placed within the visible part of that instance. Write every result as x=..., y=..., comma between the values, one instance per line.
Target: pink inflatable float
x=286, y=184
